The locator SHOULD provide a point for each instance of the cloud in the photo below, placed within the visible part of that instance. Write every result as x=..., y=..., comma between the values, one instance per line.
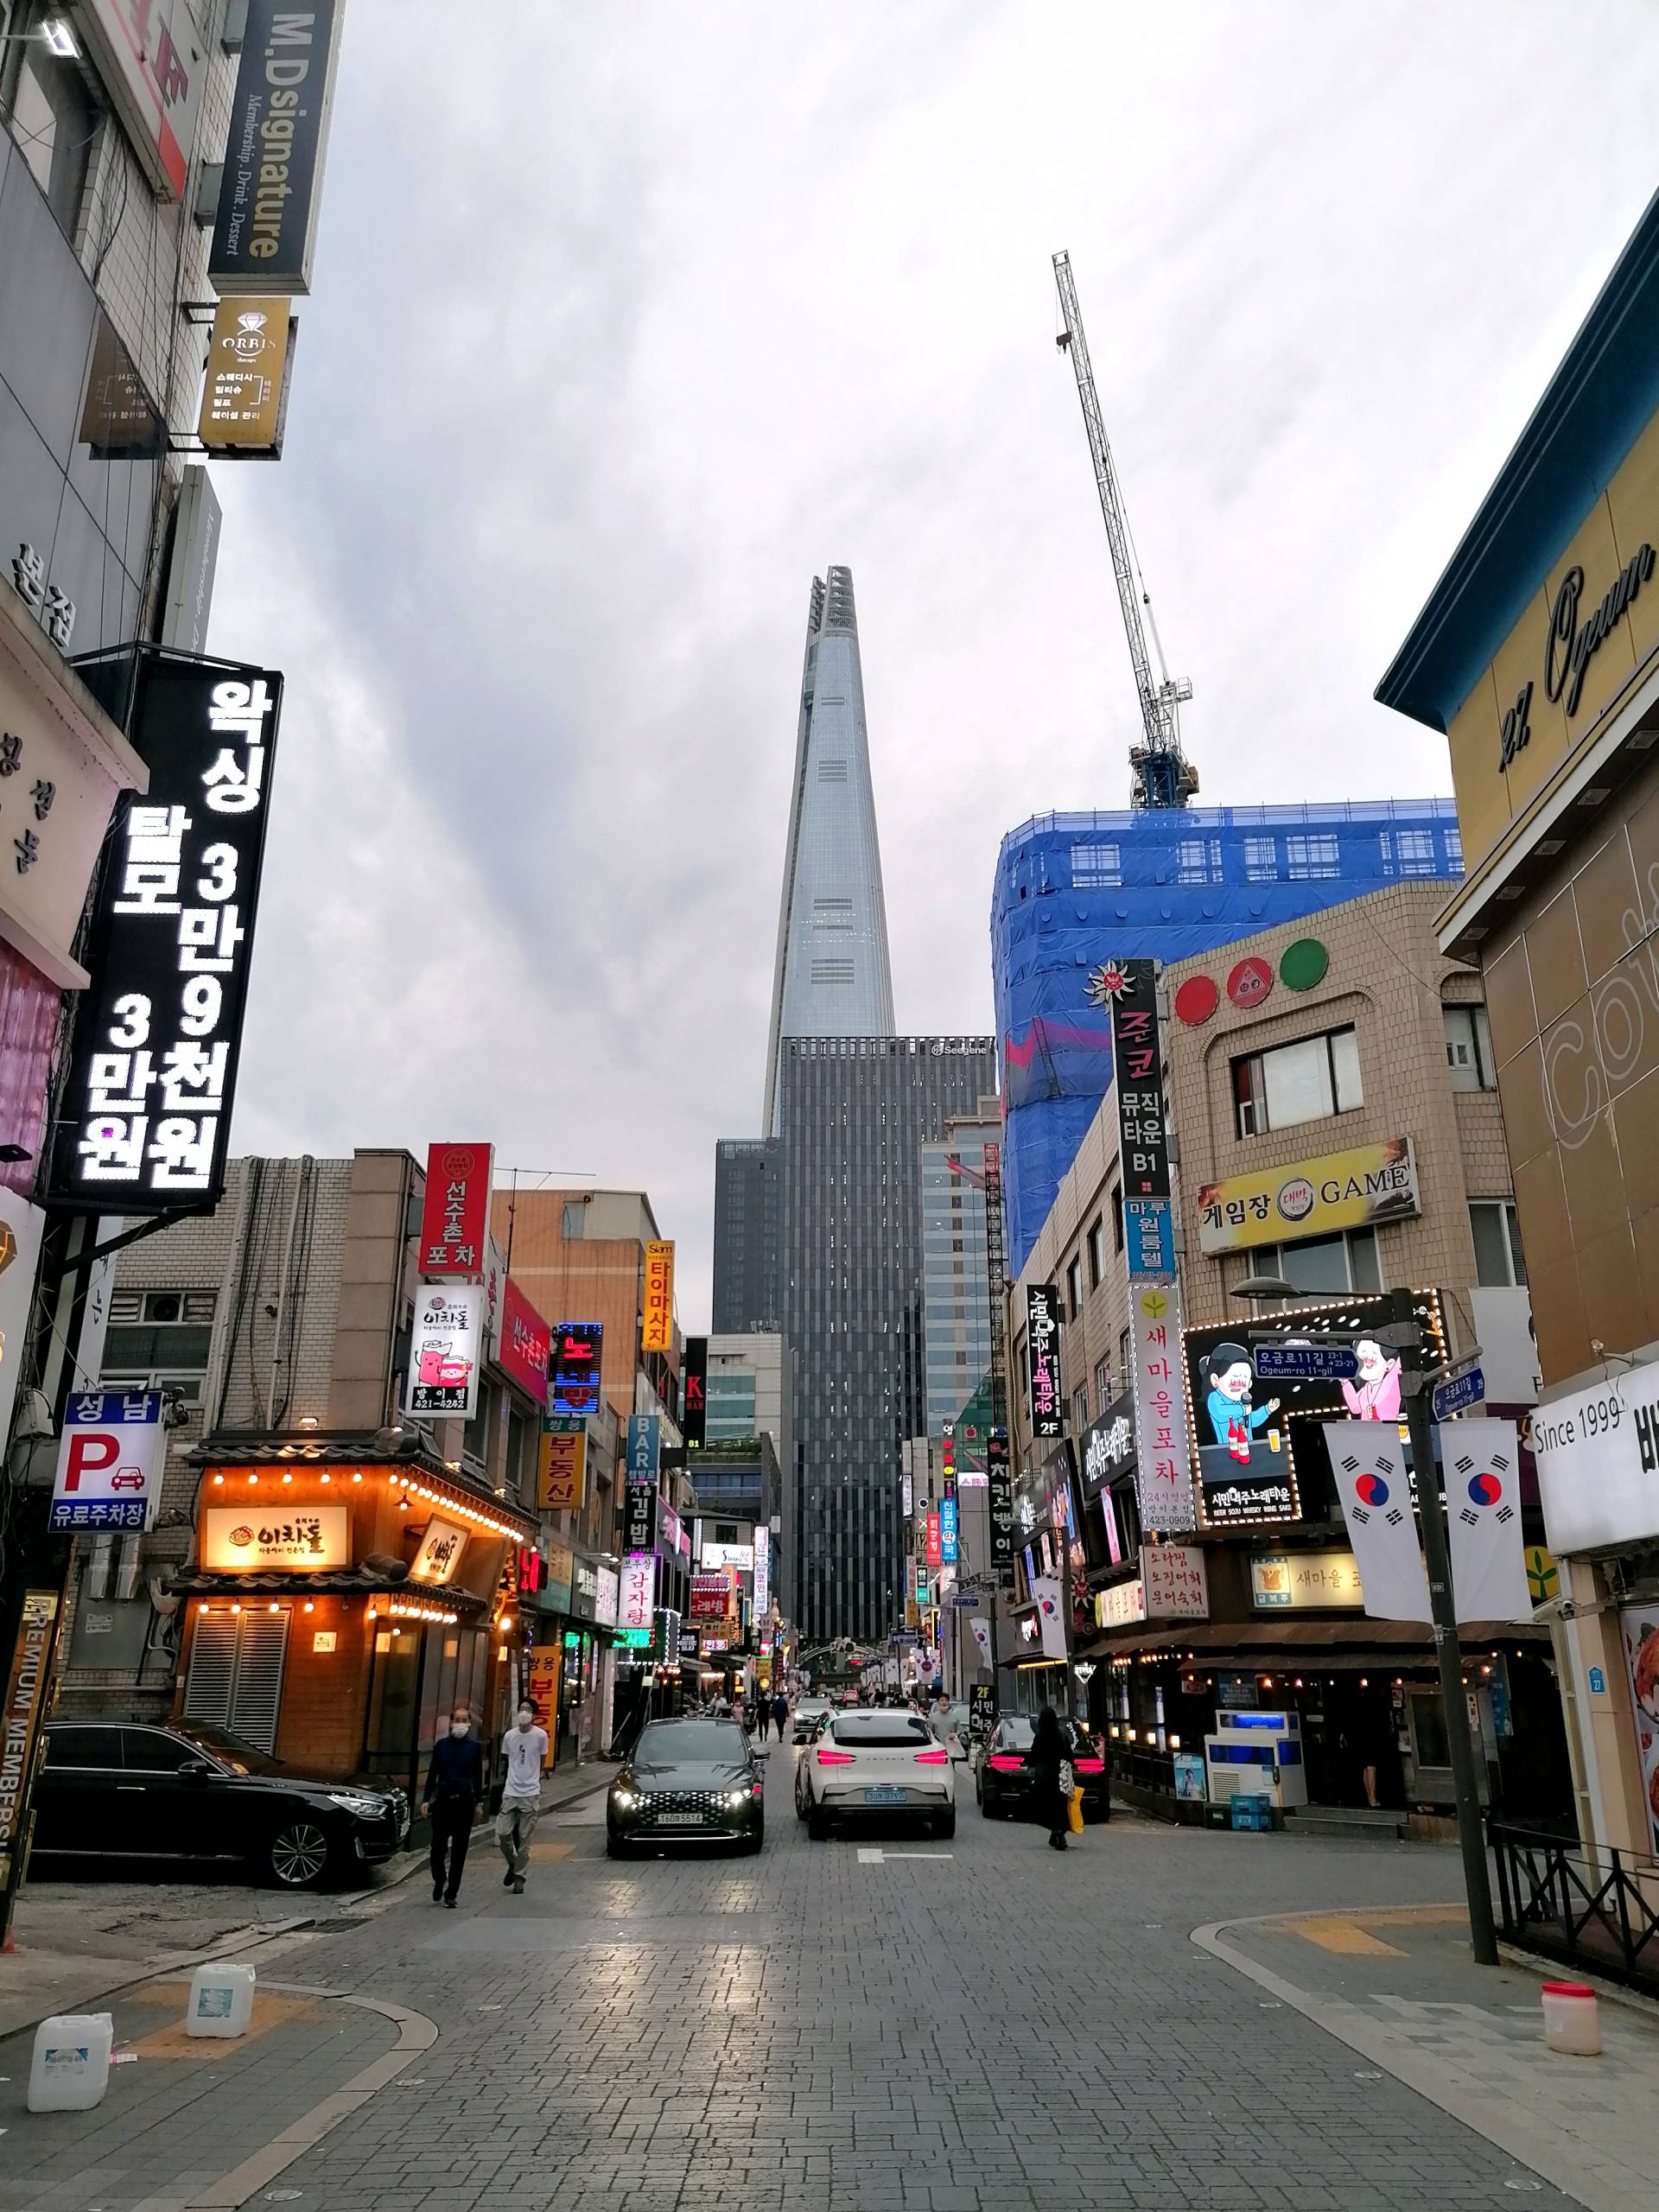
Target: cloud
x=629, y=320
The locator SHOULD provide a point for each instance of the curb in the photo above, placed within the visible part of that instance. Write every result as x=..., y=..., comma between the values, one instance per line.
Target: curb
x=239, y=1939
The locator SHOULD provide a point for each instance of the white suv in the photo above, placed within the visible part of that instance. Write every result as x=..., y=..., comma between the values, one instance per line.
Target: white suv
x=877, y=1765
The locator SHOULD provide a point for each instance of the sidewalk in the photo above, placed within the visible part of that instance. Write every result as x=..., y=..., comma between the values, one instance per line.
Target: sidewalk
x=78, y=1943
x=1398, y=1987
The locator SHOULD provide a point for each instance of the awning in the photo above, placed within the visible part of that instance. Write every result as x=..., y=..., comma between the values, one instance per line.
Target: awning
x=345, y=1582
x=1261, y=1638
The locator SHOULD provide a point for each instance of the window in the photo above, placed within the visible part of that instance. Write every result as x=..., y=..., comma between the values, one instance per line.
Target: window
x=1319, y=1264
x=1498, y=1263
x=832, y=913
x=1312, y=856
x=84, y=1747
x=832, y=972
x=1409, y=852
x=832, y=772
x=1452, y=841
x=1197, y=859
x=1297, y=1083
x=1260, y=860
x=1074, y=1286
x=1117, y=1221
x=148, y=1751
x=1080, y=1409
x=1095, y=868
x=1102, y=1382
x=51, y=116
x=1097, y=1252
x=572, y=1214
x=159, y=1339
x=1123, y=1355
x=1469, y=1048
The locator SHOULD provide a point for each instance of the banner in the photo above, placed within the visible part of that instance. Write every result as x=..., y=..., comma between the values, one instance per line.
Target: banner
x=1310, y=1198
x=981, y=1632
x=657, y=1311
x=1481, y=1460
x=455, y=1210
x=1163, y=1477
x=1046, y=1591
x=1369, y=1465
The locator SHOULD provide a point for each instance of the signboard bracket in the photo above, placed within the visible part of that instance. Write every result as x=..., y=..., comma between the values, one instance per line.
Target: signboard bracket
x=53, y=1270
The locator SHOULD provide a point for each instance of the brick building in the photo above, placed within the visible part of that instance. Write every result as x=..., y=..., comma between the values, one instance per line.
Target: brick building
x=1301, y=1062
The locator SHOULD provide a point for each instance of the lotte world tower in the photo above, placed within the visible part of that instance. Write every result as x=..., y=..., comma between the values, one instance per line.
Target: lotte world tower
x=832, y=977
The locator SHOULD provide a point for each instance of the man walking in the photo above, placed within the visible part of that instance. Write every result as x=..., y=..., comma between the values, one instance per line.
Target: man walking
x=780, y=1712
x=758, y=1707
x=525, y=1746
x=454, y=1782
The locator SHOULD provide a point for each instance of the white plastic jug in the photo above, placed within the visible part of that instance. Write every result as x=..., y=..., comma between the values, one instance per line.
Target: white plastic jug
x=70, y=2069
x=1571, y=2023
x=221, y=2000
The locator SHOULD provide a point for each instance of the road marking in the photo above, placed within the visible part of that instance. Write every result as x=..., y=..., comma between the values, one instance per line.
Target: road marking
x=871, y=1854
x=1336, y=1933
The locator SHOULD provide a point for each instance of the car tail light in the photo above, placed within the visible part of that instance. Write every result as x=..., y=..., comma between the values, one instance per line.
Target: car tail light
x=939, y=1757
x=754, y=1790
x=1090, y=1766
x=834, y=1759
x=1005, y=1763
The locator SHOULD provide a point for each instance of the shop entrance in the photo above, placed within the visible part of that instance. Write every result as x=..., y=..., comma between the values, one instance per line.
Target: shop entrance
x=1349, y=1742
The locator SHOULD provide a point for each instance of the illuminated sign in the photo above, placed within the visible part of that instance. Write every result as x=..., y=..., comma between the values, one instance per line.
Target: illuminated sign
x=637, y=1596
x=525, y=1342
x=948, y=1531
x=110, y=1461
x=443, y=1351
x=1043, y=1358
x=456, y=1213
x=254, y=1538
x=244, y=397
x=562, y=1475
x=657, y=1311
x=578, y=1347
x=441, y=1546
x=694, y=1380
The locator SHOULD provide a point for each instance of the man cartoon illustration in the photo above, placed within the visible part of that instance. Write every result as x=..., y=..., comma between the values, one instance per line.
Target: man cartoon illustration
x=1376, y=1395
x=1230, y=1378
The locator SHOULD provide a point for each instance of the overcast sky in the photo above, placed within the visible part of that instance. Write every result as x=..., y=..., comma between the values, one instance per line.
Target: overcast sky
x=629, y=318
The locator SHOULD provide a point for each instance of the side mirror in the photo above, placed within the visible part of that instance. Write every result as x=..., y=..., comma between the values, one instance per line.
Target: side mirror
x=194, y=1770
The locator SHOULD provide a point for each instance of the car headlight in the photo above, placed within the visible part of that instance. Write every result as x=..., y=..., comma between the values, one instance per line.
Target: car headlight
x=353, y=1801
x=736, y=1797
x=624, y=1800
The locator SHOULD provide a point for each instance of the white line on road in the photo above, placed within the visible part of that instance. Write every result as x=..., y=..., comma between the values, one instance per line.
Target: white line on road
x=871, y=1854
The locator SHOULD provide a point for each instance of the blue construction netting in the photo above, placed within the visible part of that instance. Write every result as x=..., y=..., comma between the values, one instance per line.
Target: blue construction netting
x=1074, y=889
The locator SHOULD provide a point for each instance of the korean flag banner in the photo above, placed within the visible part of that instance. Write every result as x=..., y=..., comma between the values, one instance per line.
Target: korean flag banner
x=1369, y=1467
x=1045, y=1589
x=1481, y=1462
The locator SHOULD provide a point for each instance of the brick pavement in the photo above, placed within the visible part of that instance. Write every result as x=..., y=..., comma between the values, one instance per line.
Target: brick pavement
x=809, y=2030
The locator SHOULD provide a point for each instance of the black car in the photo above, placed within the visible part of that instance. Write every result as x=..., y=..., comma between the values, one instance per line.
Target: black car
x=1003, y=1782
x=686, y=1782
x=186, y=1792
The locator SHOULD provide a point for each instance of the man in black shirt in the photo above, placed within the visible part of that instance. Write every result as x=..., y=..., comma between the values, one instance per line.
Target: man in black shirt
x=454, y=1782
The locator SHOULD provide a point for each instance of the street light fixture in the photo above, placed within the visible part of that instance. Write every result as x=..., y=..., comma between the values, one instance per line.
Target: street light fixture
x=60, y=39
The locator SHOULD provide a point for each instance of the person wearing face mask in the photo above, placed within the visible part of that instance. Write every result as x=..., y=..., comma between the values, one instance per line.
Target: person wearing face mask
x=454, y=1782
x=525, y=1746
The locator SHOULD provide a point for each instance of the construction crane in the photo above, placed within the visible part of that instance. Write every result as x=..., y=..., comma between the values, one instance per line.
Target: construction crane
x=1163, y=775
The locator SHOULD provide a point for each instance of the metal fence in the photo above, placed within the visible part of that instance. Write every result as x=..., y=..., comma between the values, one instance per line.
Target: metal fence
x=1583, y=1905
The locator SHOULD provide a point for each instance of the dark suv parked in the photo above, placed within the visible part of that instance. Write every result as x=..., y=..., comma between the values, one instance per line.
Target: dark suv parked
x=186, y=1792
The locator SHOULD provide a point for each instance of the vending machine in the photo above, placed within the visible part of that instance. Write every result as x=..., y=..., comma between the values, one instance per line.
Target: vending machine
x=1256, y=1754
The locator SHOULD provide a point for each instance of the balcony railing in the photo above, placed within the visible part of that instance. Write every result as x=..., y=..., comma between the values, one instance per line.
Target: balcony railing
x=1583, y=1905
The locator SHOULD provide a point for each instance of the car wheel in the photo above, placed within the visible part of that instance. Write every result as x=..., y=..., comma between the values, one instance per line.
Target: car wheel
x=945, y=1825
x=817, y=1825
x=803, y=1806
x=298, y=1856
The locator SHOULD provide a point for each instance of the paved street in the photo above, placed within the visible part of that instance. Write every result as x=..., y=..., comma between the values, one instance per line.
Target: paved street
x=973, y=2028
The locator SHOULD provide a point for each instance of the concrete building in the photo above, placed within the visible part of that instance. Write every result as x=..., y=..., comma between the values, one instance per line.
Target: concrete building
x=1537, y=654
x=1298, y=1065
x=832, y=977
x=748, y=1194
x=955, y=1281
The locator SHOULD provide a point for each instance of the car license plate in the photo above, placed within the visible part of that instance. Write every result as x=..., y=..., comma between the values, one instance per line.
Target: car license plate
x=885, y=1793
x=679, y=1820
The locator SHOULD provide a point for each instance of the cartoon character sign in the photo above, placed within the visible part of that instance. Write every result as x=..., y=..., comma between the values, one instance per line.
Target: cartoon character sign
x=1232, y=1379
x=1640, y=1624
x=1376, y=1394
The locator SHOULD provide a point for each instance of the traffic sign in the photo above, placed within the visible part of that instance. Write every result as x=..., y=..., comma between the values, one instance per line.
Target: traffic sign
x=1458, y=1392
x=967, y=1600
x=1304, y=1362
x=110, y=1461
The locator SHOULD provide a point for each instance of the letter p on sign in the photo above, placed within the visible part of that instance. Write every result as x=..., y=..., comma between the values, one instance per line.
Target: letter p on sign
x=89, y=1455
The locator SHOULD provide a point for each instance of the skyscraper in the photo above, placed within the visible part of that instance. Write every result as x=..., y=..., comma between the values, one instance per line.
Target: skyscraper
x=747, y=1181
x=832, y=977
x=854, y=1114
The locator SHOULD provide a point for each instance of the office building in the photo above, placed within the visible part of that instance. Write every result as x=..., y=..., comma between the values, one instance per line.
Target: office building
x=855, y=1113
x=832, y=977
x=747, y=1184
x=956, y=1290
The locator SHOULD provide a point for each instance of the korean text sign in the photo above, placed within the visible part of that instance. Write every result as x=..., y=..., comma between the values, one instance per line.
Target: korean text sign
x=641, y=1477
x=1043, y=1358
x=564, y=1464
x=1310, y=1198
x=1164, y=1463
x=524, y=1342
x=456, y=1213
x=146, y=1110
x=998, y=1478
x=1137, y=1057
x=657, y=1322
x=110, y=1461
x=578, y=1351
x=444, y=1350
x=254, y=1538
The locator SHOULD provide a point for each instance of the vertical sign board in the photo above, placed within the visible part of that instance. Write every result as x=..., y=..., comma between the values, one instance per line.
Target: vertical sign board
x=637, y=1600
x=948, y=1531
x=762, y=1571
x=656, y=1312
x=244, y=393
x=456, y=1212
x=27, y=1685
x=144, y=1121
x=693, y=1413
x=1142, y=1120
x=1043, y=1358
x=525, y=1342
x=110, y=1461
x=562, y=1475
x=999, y=1484
x=641, y=1478
x=193, y=563
x=443, y=1351
x=542, y=1687
x=266, y=227
x=153, y=63
x=20, y=1224
x=1164, y=1463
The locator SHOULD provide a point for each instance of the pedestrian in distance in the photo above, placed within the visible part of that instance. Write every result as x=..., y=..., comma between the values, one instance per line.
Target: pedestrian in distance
x=454, y=1782
x=1050, y=1764
x=780, y=1712
x=525, y=1746
x=758, y=1714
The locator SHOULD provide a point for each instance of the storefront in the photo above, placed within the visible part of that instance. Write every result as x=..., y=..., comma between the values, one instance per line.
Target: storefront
x=337, y=1609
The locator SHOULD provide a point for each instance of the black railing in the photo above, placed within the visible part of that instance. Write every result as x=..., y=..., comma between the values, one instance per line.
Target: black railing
x=1144, y=1769
x=1590, y=1908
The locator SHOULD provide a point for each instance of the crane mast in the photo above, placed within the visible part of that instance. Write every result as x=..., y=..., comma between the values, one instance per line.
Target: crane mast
x=1163, y=775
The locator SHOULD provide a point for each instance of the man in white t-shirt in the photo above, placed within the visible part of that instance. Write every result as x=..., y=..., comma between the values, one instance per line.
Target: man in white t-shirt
x=525, y=1746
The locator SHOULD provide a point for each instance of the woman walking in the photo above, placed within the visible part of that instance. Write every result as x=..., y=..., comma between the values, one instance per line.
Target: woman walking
x=1050, y=1763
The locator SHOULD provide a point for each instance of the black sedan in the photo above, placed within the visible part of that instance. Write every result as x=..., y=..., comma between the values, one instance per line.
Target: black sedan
x=686, y=1782
x=1003, y=1782
x=190, y=1793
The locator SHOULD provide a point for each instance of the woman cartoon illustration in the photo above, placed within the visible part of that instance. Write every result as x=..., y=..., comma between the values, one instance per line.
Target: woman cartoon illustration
x=1230, y=1378
x=1376, y=1396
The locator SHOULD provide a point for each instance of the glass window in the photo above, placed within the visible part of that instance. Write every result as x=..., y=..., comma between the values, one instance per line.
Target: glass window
x=1095, y=868
x=1074, y=1286
x=1102, y=1382
x=1080, y=1409
x=1319, y=1264
x=84, y=1747
x=148, y=1750
x=1498, y=1263
x=1311, y=856
x=53, y=118
x=1303, y=1082
x=1117, y=1221
x=1260, y=860
x=1469, y=1048
x=1097, y=1253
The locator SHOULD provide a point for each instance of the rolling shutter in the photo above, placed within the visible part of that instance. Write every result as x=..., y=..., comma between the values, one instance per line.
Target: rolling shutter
x=236, y=1675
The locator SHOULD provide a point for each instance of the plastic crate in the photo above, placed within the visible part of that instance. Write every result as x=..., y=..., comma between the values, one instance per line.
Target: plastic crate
x=1252, y=1813
x=1217, y=1816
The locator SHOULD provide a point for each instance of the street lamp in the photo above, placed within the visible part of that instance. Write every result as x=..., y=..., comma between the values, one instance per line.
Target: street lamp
x=53, y=32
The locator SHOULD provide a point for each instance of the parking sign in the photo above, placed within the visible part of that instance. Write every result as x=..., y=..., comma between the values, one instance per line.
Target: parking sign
x=110, y=1461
